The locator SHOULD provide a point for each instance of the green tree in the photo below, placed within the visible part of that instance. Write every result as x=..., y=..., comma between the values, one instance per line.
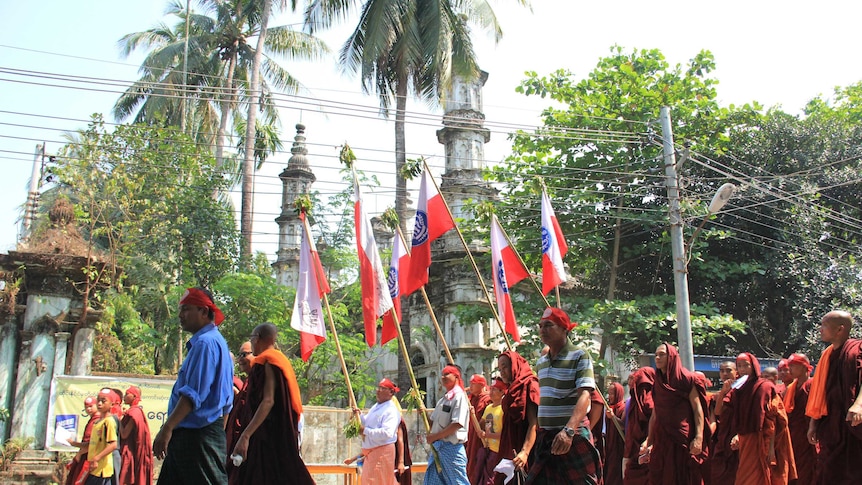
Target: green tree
x=144, y=194
x=600, y=159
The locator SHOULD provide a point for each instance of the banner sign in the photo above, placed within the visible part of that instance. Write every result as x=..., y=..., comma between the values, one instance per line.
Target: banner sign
x=67, y=417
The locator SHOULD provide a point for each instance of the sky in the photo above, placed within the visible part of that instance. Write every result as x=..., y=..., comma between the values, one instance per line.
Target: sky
x=775, y=53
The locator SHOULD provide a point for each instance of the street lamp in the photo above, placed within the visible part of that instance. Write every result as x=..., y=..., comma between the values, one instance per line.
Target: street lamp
x=719, y=200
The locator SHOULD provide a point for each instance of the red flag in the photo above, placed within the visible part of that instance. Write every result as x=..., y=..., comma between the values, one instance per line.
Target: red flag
x=399, y=265
x=307, y=314
x=508, y=272
x=432, y=221
x=553, y=248
x=375, y=291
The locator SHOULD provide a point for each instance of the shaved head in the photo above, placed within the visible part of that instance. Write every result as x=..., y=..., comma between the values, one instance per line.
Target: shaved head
x=268, y=332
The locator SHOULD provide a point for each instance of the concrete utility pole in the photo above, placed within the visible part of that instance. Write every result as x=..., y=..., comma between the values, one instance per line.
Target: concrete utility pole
x=680, y=266
x=33, y=193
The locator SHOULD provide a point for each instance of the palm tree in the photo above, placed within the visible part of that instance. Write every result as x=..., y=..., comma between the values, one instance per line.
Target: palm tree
x=222, y=70
x=407, y=46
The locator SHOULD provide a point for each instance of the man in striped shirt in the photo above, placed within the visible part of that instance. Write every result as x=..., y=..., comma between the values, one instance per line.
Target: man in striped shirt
x=563, y=452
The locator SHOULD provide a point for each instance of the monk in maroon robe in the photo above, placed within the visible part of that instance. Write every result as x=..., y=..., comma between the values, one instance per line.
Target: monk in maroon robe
x=268, y=444
x=76, y=469
x=596, y=419
x=835, y=403
x=677, y=431
x=765, y=452
x=637, y=425
x=614, y=441
x=724, y=457
x=136, y=446
x=403, y=459
x=520, y=410
x=795, y=401
x=474, y=448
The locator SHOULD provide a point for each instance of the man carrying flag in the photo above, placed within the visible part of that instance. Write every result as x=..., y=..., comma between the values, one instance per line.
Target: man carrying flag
x=508, y=272
x=307, y=314
x=432, y=221
x=553, y=248
x=376, y=300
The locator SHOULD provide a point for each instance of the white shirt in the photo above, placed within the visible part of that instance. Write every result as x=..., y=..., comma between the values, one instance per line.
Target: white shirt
x=381, y=425
x=452, y=408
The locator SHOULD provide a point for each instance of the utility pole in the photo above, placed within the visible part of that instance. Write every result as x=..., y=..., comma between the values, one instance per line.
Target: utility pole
x=33, y=193
x=680, y=266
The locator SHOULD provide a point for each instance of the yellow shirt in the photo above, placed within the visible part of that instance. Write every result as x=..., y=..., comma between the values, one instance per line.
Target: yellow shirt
x=104, y=432
x=495, y=425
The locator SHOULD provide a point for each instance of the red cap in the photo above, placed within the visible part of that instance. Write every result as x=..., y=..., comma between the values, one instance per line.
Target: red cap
x=800, y=359
x=783, y=364
x=558, y=317
x=478, y=379
x=388, y=385
x=89, y=401
x=499, y=384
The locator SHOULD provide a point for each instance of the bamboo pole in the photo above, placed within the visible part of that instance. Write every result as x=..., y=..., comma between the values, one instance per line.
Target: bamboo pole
x=472, y=261
x=351, y=396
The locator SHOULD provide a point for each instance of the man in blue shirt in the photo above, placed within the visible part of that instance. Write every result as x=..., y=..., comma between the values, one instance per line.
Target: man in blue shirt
x=192, y=441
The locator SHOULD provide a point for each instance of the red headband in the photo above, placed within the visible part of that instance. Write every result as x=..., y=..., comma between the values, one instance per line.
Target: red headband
x=783, y=364
x=499, y=384
x=389, y=385
x=559, y=317
x=196, y=297
x=478, y=379
x=800, y=359
x=89, y=401
x=111, y=395
x=451, y=369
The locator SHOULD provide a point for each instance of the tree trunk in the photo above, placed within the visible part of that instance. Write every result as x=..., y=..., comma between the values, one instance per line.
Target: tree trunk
x=401, y=202
x=247, y=211
x=227, y=104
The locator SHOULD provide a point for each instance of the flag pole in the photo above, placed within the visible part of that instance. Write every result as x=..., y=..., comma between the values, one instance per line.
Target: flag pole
x=472, y=260
x=521, y=260
x=351, y=397
x=431, y=312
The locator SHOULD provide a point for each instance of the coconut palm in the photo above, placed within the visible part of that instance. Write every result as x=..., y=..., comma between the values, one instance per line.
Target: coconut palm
x=407, y=46
x=221, y=70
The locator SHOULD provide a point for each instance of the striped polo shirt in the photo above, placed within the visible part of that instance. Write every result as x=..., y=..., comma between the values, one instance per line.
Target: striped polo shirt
x=559, y=379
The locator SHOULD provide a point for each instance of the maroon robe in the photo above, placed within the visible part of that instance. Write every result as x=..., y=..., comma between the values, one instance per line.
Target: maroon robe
x=405, y=478
x=670, y=460
x=136, y=450
x=804, y=453
x=474, y=447
x=273, y=450
x=723, y=460
x=597, y=407
x=637, y=425
x=522, y=393
x=841, y=444
x=76, y=466
x=614, y=442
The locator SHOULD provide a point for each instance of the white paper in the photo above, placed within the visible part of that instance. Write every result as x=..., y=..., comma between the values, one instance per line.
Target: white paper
x=63, y=436
x=506, y=467
x=739, y=382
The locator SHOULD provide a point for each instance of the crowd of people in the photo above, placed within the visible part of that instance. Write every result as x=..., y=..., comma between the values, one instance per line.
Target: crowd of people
x=542, y=424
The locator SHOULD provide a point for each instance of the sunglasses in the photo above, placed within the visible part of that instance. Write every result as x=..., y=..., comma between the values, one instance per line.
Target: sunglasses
x=244, y=354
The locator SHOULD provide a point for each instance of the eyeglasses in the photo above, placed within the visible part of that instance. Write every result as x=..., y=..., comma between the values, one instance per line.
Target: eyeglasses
x=243, y=354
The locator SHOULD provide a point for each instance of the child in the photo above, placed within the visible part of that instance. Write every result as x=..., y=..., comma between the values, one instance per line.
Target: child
x=493, y=417
x=103, y=441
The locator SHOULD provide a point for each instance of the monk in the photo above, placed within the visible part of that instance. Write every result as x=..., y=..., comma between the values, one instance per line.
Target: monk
x=724, y=457
x=77, y=472
x=479, y=398
x=614, y=441
x=677, y=432
x=835, y=402
x=795, y=401
x=136, y=451
x=596, y=418
x=637, y=425
x=403, y=458
x=268, y=446
x=784, y=376
x=520, y=410
x=765, y=452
